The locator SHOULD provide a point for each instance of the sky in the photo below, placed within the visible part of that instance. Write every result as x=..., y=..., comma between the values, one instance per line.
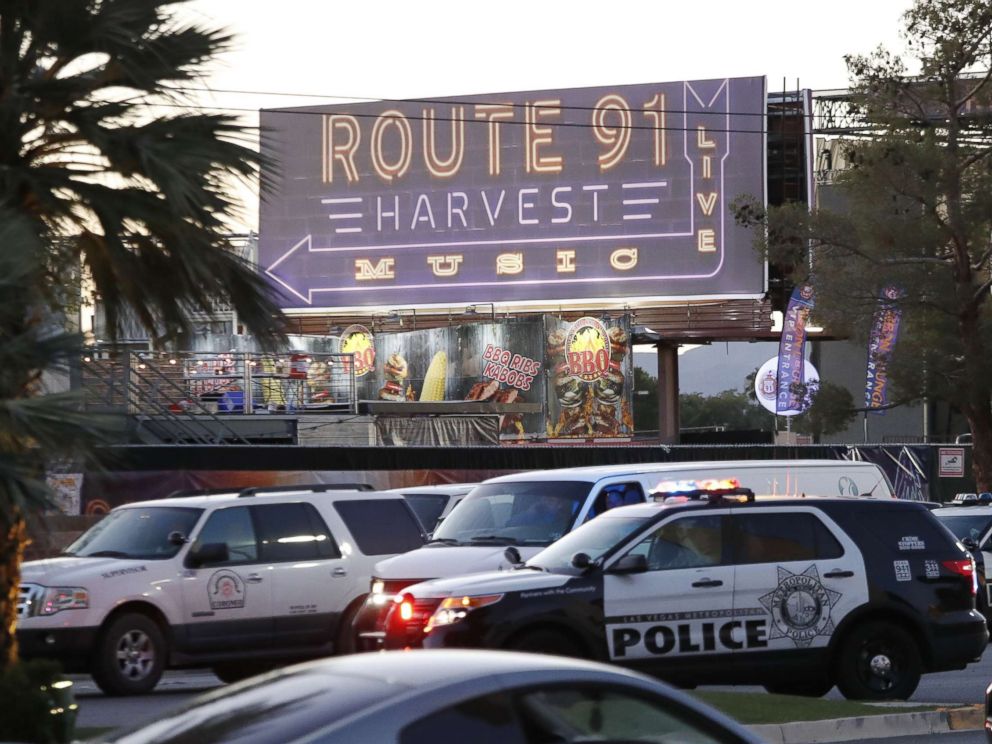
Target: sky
x=431, y=48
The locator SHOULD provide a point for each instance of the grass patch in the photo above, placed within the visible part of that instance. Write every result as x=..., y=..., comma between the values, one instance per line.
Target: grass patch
x=750, y=707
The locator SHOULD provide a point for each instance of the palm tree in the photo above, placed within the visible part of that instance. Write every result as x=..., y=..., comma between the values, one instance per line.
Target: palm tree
x=104, y=171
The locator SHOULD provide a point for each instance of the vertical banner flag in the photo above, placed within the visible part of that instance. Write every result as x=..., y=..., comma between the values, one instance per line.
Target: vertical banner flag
x=881, y=342
x=792, y=350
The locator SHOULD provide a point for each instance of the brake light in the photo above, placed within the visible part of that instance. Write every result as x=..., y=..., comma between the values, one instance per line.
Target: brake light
x=406, y=607
x=964, y=567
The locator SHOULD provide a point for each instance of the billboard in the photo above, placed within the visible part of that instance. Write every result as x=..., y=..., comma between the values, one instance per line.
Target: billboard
x=546, y=196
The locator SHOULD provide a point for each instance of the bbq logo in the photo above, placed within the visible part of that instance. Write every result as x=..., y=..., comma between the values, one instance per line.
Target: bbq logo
x=800, y=607
x=358, y=340
x=587, y=349
x=226, y=591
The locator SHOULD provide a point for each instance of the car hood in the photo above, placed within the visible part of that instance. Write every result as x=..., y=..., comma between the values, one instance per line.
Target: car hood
x=492, y=582
x=447, y=560
x=72, y=570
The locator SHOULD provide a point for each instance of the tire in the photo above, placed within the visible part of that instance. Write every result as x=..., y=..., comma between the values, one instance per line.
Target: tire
x=878, y=661
x=346, y=641
x=549, y=642
x=130, y=656
x=802, y=688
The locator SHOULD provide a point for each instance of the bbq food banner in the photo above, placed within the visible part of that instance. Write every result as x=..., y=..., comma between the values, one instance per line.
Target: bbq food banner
x=498, y=362
x=590, y=378
x=579, y=375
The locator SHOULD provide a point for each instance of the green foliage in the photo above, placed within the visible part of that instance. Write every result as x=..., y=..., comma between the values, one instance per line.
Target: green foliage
x=829, y=407
x=731, y=409
x=645, y=405
x=38, y=705
x=103, y=174
x=915, y=211
x=99, y=154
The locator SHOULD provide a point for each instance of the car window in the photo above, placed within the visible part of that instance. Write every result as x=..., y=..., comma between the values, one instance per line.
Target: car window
x=292, y=532
x=967, y=525
x=905, y=530
x=234, y=528
x=684, y=542
x=515, y=513
x=427, y=506
x=288, y=707
x=483, y=720
x=137, y=532
x=381, y=526
x=569, y=714
x=596, y=539
x=614, y=495
x=787, y=536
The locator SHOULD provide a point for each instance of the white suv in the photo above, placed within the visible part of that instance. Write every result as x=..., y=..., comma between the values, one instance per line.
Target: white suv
x=231, y=581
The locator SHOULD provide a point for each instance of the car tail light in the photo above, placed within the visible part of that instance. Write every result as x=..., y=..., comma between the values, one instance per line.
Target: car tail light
x=964, y=567
x=406, y=608
x=409, y=616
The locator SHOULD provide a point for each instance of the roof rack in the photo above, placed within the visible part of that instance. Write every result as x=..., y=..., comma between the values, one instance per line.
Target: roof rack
x=712, y=496
x=310, y=488
x=183, y=493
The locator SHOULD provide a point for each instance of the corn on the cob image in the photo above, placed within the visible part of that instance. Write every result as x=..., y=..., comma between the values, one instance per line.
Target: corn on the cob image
x=433, y=388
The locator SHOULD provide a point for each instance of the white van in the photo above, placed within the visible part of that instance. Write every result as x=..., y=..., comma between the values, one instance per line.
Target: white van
x=530, y=510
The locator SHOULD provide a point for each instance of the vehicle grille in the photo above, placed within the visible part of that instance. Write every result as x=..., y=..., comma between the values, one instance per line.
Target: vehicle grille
x=28, y=600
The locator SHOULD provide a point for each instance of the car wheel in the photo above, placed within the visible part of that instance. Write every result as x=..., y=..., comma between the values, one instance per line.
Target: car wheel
x=878, y=661
x=130, y=656
x=802, y=688
x=346, y=641
x=546, y=642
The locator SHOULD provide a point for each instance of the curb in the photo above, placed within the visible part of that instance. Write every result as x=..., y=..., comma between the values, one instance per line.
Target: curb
x=872, y=727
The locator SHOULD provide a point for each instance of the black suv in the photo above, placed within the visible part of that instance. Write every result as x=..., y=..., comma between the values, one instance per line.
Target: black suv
x=717, y=587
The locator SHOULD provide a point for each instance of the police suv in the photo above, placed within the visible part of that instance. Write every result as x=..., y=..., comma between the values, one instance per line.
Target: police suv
x=530, y=510
x=795, y=594
x=235, y=582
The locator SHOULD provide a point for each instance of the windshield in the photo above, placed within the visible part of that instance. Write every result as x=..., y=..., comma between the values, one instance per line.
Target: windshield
x=595, y=538
x=516, y=513
x=137, y=532
x=967, y=525
x=427, y=506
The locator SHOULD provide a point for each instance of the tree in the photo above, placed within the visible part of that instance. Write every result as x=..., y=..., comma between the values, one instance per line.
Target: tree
x=827, y=408
x=645, y=401
x=917, y=214
x=731, y=409
x=93, y=177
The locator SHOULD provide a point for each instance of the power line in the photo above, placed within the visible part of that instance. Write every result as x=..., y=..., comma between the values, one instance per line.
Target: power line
x=446, y=101
x=510, y=122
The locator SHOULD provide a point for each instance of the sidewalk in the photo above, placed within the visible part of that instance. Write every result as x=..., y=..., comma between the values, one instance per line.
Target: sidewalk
x=873, y=727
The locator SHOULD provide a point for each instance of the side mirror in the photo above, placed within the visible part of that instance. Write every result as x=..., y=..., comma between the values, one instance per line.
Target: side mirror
x=581, y=561
x=176, y=538
x=970, y=543
x=630, y=564
x=512, y=556
x=207, y=554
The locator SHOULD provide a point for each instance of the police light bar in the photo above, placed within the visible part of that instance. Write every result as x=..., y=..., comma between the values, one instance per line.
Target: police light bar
x=712, y=490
